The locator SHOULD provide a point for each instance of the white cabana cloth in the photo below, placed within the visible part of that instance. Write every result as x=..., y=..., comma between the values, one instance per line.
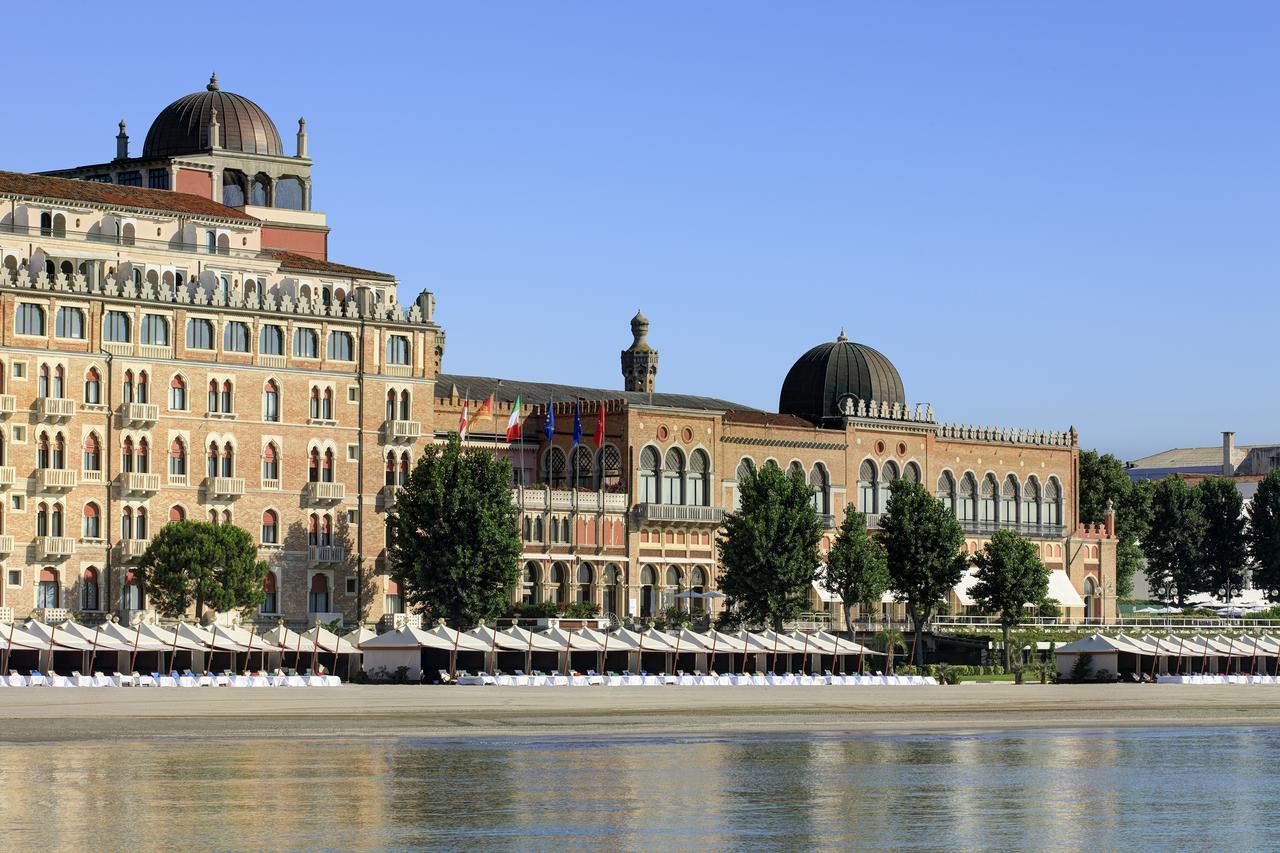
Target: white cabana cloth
x=1062, y=590
x=327, y=641
x=359, y=636
x=281, y=639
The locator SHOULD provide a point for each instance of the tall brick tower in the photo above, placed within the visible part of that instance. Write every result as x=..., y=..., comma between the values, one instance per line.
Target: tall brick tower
x=640, y=361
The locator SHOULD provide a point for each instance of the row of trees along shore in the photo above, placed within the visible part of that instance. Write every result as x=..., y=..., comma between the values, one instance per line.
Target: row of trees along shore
x=1195, y=539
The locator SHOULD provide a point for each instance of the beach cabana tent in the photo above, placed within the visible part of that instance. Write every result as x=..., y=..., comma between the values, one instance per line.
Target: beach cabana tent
x=1103, y=651
x=358, y=636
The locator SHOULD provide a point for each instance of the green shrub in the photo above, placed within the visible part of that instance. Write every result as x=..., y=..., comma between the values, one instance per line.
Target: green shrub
x=1080, y=670
x=1103, y=676
x=580, y=610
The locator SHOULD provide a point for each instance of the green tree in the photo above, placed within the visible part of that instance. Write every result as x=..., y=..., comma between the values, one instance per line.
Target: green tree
x=769, y=547
x=922, y=542
x=455, y=535
x=1010, y=575
x=1224, y=550
x=1264, y=535
x=856, y=569
x=1103, y=483
x=1173, y=543
x=206, y=565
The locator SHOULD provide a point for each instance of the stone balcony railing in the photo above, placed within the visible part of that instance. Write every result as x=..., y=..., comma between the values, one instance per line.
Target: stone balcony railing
x=139, y=414
x=226, y=487
x=132, y=549
x=6, y=544
x=133, y=483
x=8, y=405
x=8, y=476
x=320, y=492
x=54, y=408
x=541, y=497
x=6, y=615
x=326, y=554
x=393, y=431
x=51, y=547
x=51, y=615
x=55, y=479
x=679, y=513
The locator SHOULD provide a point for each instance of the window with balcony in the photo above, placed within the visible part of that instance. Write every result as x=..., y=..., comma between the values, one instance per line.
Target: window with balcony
x=967, y=507
x=987, y=499
x=115, y=327
x=211, y=467
x=650, y=471
x=92, y=453
x=270, y=462
x=672, y=477
x=1031, y=501
x=1009, y=500
x=92, y=522
x=51, y=381
x=199, y=333
x=1052, y=514
x=177, y=394
x=29, y=319
x=404, y=406
x=868, y=487
x=821, y=485
x=69, y=323
x=177, y=458
x=155, y=330
x=341, y=347
x=228, y=461
x=397, y=349
x=582, y=467
x=306, y=343
x=142, y=457
x=48, y=519
x=553, y=467
x=271, y=340
x=947, y=490
x=235, y=337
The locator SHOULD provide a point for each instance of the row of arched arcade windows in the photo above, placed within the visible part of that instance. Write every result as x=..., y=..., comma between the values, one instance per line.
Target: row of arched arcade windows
x=585, y=468
x=874, y=481
x=1005, y=502
x=670, y=479
x=819, y=480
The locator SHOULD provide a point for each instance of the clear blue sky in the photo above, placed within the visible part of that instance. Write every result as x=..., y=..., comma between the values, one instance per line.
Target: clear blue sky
x=1044, y=215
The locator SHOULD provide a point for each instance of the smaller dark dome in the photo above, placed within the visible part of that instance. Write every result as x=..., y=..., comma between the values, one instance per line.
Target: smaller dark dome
x=183, y=126
x=821, y=380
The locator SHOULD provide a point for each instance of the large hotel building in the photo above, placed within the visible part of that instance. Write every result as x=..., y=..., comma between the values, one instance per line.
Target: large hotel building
x=176, y=343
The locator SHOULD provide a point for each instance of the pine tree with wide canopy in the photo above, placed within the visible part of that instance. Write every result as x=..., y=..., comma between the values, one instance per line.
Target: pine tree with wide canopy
x=202, y=564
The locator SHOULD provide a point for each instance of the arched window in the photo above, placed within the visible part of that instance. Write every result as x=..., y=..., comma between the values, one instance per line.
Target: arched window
x=554, y=464
x=650, y=469
x=43, y=382
x=648, y=592
x=583, y=467
x=911, y=473
x=92, y=522
x=228, y=461
x=397, y=349
x=987, y=500
x=673, y=477
x=609, y=471
x=821, y=485
x=89, y=589
x=967, y=508
x=270, y=599
x=115, y=327
x=531, y=584
x=48, y=593
x=140, y=390
x=326, y=530
x=404, y=406
x=126, y=387
x=235, y=336
x=270, y=527
x=1052, y=514
x=697, y=483
x=213, y=396
x=672, y=587
x=391, y=468
x=177, y=458
x=313, y=404
x=29, y=319
x=126, y=523
x=131, y=593
x=46, y=224
x=583, y=591
x=270, y=340
x=233, y=188
x=867, y=486
x=69, y=323
x=288, y=194
x=745, y=469
x=313, y=530
x=306, y=343
x=142, y=459
x=271, y=401
x=42, y=451
x=226, y=516
x=92, y=387
x=260, y=191
x=1009, y=500
x=340, y=346
x=155, y=329
x=326, y=467
x=199, y=333
x=313, y=465
x=177, y=513
x=391, y=405
x=177, y=394
x=270, y=462
x=559, y=584
x=225, y=400
x=318, y=599
x=59, y=382
x=1031, y=501
x=212, y=467
x=326, y=405
x=404, y=468
x=140, y=523
x=888, y=473
x=92, y=453
x=59, y=460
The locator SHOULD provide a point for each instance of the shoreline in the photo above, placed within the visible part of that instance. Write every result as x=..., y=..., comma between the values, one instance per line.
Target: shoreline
x=69, y=715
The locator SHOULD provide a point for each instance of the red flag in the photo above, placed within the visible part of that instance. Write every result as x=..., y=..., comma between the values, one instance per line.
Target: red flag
x=485, y=408
x=600, y=425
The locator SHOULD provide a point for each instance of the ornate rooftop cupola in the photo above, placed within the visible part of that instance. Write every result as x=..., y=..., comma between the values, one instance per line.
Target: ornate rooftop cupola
x=640, y=361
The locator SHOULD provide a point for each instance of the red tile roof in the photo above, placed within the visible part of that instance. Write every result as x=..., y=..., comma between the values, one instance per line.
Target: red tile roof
x=768, y=419
x=305, y=263
x=92, y=192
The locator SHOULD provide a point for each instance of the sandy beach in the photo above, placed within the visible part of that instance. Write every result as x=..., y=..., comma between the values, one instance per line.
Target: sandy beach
x=33, y=715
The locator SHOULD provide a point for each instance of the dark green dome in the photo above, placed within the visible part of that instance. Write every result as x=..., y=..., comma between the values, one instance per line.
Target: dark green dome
x=822, y=380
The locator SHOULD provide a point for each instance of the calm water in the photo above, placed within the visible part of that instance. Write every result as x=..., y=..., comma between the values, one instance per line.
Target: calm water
x=1201, y=789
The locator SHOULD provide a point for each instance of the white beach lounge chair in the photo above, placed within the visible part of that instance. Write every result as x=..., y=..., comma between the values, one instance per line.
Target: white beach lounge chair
x=13, y=679
x=78, y=680
x=37, y=679
x=56, y=680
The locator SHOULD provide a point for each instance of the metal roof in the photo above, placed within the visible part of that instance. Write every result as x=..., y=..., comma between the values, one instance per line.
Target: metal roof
x=183, y=126
x=506, y=390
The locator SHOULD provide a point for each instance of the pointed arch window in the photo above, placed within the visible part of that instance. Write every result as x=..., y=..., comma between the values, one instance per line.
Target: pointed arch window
x=270, y=462
x=1031, y=501
x=391, y=405
x=271, y=401
x=554, y=464
x=270, y=528
x=92, y=387
x=59, y=460
x=142, y=458
x=177, y=394
x=404, y=406
x=177, y=458
x=947, y=490
x=650, y=470
x=987, y=500
x=673, y=477
x=1009, y=500
x=89, y=590
x=1052, y=514
x=888, y=473
x=821, y=485
x=92, y=521
x=212, y=467
x=228, y=461
x=313, y=466
x=697, y=484
x=867, y=487
x=326, y=467
x=967, y=506
x=92, y=453
x=270, y=601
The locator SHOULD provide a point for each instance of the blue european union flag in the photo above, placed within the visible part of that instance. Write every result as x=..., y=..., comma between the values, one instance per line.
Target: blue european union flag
x=577, y=426
x=549, y=428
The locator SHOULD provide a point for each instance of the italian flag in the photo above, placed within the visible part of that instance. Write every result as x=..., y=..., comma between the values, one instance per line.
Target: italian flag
x=513, y=422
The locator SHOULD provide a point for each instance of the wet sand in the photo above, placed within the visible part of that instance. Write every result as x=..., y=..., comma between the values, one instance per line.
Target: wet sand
x=70, y=714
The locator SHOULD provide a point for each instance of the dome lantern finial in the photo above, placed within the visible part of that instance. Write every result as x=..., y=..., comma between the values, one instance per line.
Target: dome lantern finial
x=842, y=337
x=213, y=82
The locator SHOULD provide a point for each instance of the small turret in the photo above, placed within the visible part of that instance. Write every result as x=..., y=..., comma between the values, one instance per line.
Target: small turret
x=302, y=137
x=122, y=143
x=640, y=361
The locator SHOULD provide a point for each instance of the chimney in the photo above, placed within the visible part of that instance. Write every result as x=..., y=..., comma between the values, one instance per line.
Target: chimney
x=122, y=143
x=302, y=138
x=1109, y=520
x=1228, y=451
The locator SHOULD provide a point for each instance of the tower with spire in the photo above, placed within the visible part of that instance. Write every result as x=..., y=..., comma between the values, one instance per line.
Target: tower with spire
x=640, y=361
